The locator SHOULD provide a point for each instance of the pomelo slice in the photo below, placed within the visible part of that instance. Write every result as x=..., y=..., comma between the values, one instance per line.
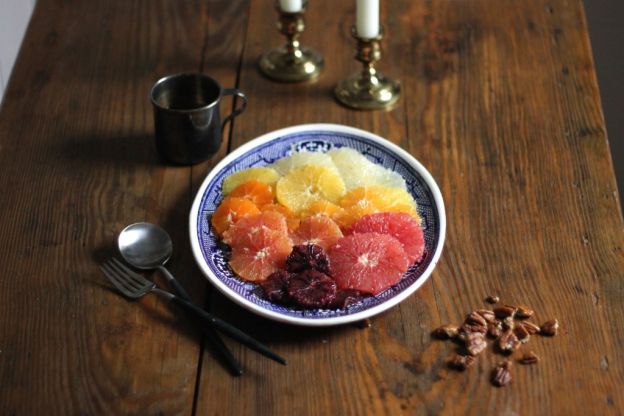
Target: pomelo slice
x=317, y=229
x=230, y=211
x=399, y=225
x=260, y=245
x=355, y=169
x=287, y=164
x=257, y=192
x=261, y=174
x=297, y=190
x=368, y=262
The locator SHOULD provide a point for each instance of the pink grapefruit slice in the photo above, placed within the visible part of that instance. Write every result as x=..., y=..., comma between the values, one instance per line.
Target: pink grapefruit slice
x=260, y=245
x=399, y=225
x=368, y=262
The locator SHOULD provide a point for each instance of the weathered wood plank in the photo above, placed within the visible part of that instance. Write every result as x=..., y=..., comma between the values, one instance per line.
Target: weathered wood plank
x=500, y=102
x=79, y=164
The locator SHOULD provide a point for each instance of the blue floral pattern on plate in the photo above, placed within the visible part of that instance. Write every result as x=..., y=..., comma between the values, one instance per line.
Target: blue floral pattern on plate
x=323, y=141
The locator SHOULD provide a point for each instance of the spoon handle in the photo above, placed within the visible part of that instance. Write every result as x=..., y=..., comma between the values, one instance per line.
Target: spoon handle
x=174, y=282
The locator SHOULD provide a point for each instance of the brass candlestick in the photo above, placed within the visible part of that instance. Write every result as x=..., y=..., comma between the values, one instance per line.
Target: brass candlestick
x=368, y=89
x=292, y=62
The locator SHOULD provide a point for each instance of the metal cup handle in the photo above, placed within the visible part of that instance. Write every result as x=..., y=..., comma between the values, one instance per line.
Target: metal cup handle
x=237, y=111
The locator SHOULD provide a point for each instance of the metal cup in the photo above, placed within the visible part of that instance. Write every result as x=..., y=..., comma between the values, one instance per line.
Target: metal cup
x=188, y=126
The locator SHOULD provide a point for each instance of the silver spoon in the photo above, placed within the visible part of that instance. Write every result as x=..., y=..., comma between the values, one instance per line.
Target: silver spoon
x=147, y=246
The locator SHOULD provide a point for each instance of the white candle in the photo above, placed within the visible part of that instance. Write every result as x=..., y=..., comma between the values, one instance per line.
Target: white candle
x=290, y=6
x=367, y=18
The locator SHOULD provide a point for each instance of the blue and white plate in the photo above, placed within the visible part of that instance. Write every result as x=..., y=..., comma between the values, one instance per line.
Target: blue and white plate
x=316, y=137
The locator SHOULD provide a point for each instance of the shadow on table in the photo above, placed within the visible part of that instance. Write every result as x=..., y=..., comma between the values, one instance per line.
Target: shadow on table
x=128, y=151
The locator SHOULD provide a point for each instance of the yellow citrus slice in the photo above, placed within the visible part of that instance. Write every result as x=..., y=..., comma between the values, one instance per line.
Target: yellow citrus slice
x=373, y=199
x=322, y=207
x=261, y=174
x=304, y=185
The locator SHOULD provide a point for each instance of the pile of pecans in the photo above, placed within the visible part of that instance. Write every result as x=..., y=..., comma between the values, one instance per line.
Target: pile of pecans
x=507, y=325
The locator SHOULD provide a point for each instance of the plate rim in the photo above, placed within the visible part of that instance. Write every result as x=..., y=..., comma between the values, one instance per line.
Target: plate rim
x=330, y=321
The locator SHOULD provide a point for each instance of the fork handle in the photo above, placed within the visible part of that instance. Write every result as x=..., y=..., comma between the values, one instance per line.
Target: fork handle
x=228, y=329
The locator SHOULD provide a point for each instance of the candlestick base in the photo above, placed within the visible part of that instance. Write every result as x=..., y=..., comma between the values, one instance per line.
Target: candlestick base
x=368, y=89
x=285, y=66
x=374, y=92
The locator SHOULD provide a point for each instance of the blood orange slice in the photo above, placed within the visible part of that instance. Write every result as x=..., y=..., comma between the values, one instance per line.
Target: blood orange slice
x=399, y=225
x=260, y=245
x=230, y=211
x=317, y=229
x=368, y=262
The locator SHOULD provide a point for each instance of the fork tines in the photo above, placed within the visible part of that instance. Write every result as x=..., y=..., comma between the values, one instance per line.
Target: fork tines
x=129, y=283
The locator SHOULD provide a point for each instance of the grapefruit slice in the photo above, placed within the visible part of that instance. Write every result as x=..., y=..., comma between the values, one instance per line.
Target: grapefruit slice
x=368, y=262
x=257, y=192
x=297, y=190
x=317, y=229
x=230, y=211
x=248, y=228
x=261, y=174
x=260, y=245
x=399, y=225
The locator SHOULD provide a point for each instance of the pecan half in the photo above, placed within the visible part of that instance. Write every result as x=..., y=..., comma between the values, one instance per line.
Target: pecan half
x=508, y=342
x=549, y=328
x=501, y=375
x=461, y=362
x=505, y=311
x=522, y=334
x=529, y=358
x=530, y=327
x=445, y=332
x=508, y=323
x=487, y=314
x=495, y=329
x=469, y=329
x=492, y=299
x=524, y=312
x=475, y=319
x=475, y=343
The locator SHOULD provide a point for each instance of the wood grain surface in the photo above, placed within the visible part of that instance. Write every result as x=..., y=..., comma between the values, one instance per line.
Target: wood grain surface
x=500, y=103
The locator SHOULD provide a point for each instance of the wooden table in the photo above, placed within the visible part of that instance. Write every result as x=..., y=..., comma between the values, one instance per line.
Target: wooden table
x=500, y=103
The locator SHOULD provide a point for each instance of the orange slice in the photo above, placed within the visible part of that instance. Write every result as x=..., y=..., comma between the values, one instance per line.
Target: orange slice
x=257, y=192
x=372, y=199
x=318, y=229
x=297, y=190
x=230, y=211
x=292, y=221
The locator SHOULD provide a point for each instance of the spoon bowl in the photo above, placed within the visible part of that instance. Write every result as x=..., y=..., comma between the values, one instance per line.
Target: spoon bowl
x=145, y=246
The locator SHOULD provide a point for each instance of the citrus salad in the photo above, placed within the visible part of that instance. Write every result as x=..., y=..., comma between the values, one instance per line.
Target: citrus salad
x=319, y=230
